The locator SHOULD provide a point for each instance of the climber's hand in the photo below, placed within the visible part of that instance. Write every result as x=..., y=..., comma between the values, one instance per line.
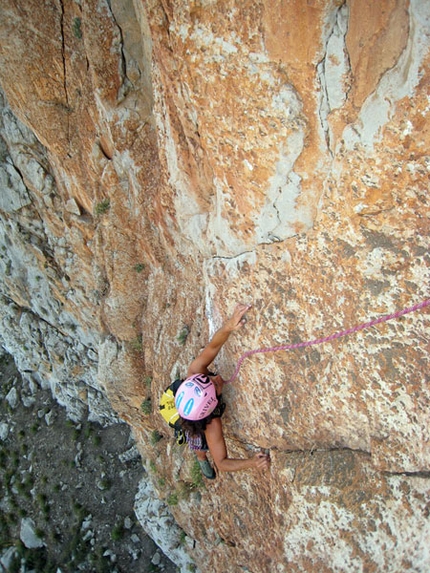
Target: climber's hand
x=261, y=461
x=237, y=319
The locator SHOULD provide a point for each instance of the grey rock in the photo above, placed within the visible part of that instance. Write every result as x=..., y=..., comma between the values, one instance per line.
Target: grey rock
x=4, y=431
x=28, y=535
x=12, y=398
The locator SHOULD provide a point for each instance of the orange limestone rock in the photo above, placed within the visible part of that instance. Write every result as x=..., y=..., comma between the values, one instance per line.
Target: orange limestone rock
x=161, y=161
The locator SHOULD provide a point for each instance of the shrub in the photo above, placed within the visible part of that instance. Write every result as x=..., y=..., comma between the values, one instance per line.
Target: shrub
x=146, y=406
x=105, y=483
x=76, y=28
x=155, y=437
x=182, y=537
x=102, y=207
x=183, y=335
x=196, y=475
x=117, y=532
x=136, y=343
x=173, y=499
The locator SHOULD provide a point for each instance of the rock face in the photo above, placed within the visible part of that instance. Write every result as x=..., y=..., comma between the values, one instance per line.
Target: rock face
x=160, y=161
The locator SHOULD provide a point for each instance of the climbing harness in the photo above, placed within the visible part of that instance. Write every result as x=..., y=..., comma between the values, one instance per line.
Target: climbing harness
x=334, y=336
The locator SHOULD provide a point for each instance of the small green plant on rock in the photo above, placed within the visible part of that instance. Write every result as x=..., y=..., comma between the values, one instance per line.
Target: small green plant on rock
x=76, y=28
x=117, y=532
x=105, y=484
x=173, y=499
x=196, y=475
x=136, y=343
x=183, y=335
x=146, y=406
x=102, y=207
x=182, y=537
x=155, y=437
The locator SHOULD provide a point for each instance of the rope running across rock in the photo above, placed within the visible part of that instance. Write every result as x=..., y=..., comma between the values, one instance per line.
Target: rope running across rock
x=334, y=336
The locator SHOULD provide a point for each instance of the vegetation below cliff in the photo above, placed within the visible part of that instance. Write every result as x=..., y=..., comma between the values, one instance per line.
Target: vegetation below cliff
x=67, y=489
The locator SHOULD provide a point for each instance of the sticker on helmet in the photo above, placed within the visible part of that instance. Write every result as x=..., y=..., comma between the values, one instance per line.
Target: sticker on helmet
x=178, y=399
x=188, y=407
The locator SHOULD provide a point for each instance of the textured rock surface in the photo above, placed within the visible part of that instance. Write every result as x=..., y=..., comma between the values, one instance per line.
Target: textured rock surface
x=161, y=160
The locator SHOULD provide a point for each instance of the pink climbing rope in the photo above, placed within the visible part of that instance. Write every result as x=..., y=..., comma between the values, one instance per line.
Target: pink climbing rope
x=334, y=336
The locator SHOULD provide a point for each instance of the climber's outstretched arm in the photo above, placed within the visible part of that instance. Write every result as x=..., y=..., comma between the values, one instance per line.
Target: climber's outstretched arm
x=216, y=443
x=208, y=354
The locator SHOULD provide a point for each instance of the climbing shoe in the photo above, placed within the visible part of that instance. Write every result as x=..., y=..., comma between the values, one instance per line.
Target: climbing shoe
x=207, y=469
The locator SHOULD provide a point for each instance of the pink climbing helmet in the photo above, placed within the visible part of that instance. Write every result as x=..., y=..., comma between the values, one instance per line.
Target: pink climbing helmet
x=196, y=397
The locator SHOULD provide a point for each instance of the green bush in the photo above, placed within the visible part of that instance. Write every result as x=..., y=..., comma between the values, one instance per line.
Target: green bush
x=105, y=484
x=196, y=475
x=136, y=343
x=76, y=28
x=102, y=207
x=155, y=437
x=173, y=499
x=117, y=532
x=146, y=406
x=183, y=335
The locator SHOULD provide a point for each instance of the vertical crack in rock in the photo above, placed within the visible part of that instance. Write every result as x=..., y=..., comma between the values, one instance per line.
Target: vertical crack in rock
x=168, y=20
x=280, y=214
x=333, y=70
x=126, y=83
x=396, y=81
x=63, y=54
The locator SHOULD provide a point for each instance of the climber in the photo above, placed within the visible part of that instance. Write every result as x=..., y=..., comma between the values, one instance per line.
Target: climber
x=200, y=406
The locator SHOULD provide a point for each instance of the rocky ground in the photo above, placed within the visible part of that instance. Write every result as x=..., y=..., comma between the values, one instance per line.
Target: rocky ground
x=67, y=490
